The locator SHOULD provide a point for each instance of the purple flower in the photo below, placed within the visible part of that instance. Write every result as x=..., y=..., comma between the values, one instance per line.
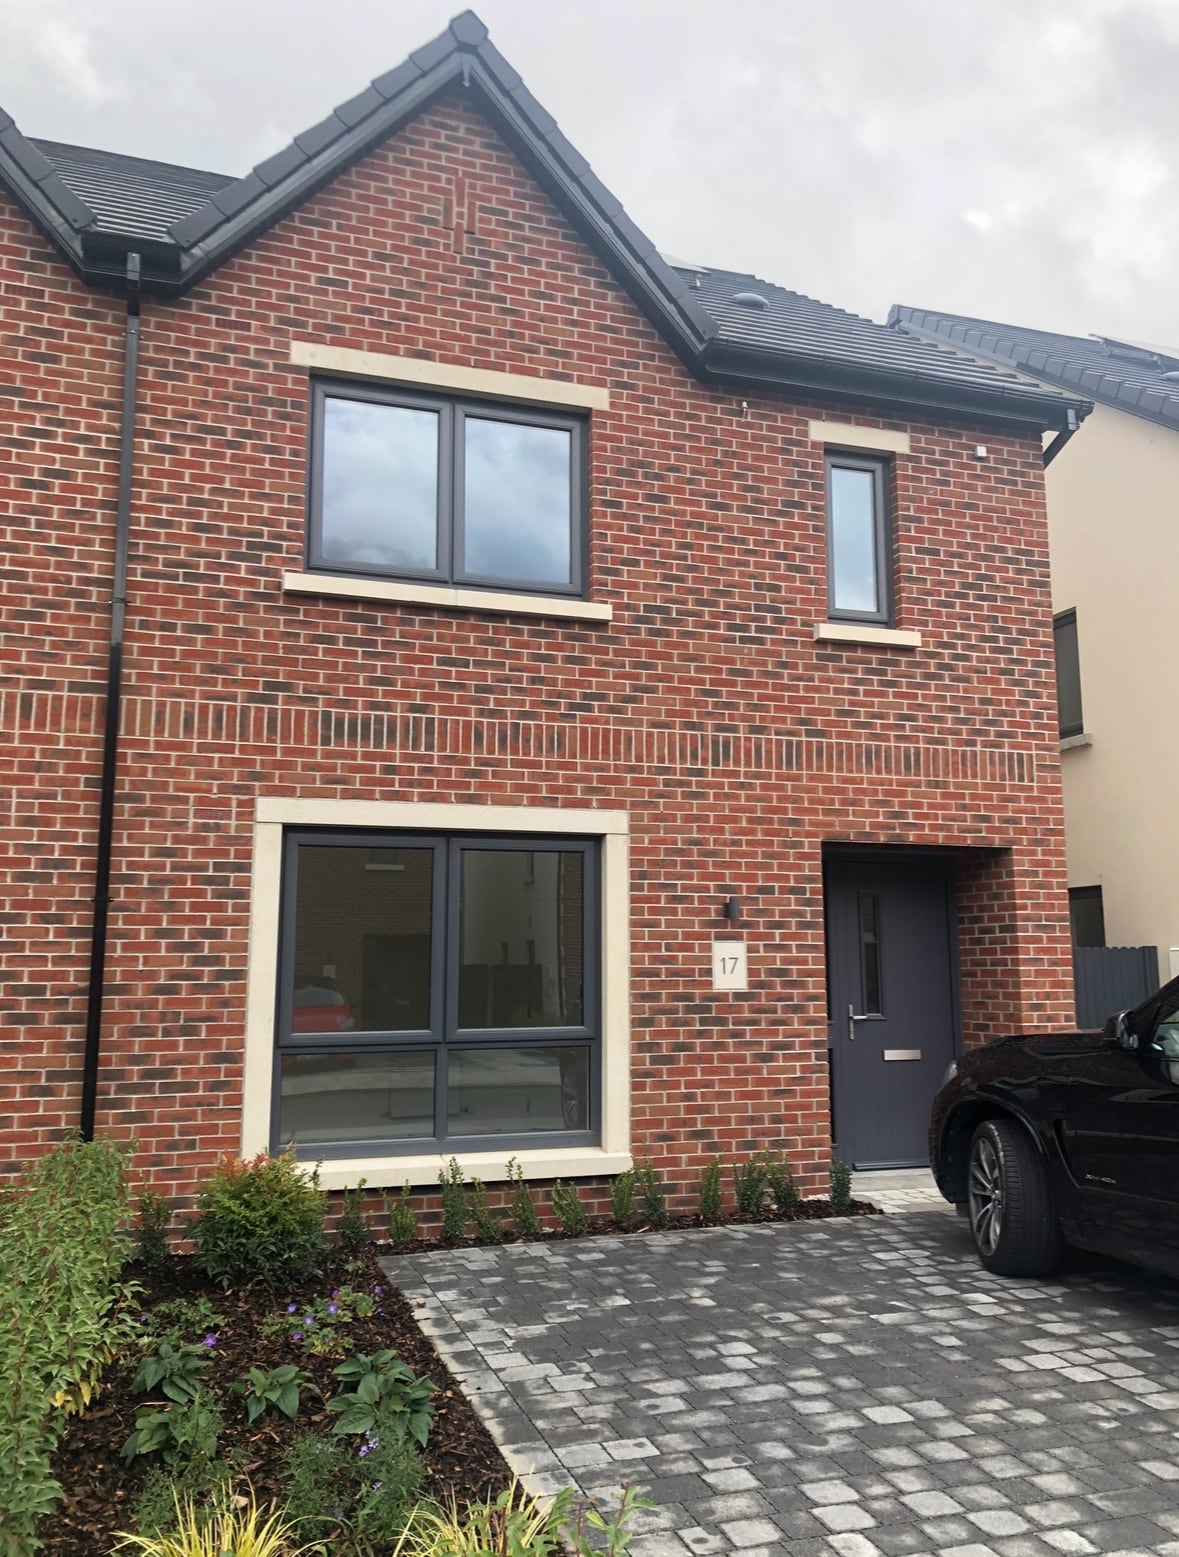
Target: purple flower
x=333, y=1308
x=210, y=1340
x=298, y=1335
x=365, y=1449
x=292, y=1308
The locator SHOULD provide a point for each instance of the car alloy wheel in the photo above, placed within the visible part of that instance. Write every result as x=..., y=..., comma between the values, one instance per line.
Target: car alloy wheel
x=985, y=1195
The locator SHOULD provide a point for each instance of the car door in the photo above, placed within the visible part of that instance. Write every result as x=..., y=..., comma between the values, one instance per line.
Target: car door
x=1119, y=1125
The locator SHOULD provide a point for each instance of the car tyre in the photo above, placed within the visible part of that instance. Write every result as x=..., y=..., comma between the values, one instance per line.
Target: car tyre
x=1009, y=1203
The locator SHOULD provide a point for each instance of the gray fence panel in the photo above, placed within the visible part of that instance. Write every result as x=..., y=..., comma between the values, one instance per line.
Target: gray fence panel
x=1112, y=978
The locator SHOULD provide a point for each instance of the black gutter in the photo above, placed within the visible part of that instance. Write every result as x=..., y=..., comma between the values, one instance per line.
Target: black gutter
x=1060, y=440
x=114, y=706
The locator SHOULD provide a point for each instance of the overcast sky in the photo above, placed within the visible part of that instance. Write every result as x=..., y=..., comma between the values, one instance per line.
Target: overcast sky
x=1013, y=159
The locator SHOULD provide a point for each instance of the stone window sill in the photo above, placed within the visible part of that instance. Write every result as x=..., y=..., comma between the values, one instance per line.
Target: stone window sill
x=421, y=1172
x=1072, y=742
x=446, y=596
x=866, y=633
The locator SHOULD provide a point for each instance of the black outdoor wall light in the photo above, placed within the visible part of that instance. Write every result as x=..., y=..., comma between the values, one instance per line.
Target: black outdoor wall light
x=731, y=909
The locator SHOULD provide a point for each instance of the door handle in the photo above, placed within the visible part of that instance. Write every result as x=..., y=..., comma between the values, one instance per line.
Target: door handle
x=852, y=1019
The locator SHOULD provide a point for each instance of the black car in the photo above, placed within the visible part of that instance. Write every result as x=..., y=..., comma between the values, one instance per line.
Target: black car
x=1067, y=1138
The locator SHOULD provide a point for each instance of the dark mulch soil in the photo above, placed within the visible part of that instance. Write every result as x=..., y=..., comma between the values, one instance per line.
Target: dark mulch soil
x=101, y=1490
x=461, y=1457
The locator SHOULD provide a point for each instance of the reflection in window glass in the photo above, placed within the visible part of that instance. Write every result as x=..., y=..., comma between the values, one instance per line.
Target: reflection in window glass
x=361, y=1096
x=362, y=940
x=517, y=514
x=870, y=951
x=854, y=563
x=1068, y=675
x=521, y=939
x=506, y=1091
x=380, y=485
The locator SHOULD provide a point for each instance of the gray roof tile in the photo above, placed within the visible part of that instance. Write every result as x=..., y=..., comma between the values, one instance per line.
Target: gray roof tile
x=131, y=195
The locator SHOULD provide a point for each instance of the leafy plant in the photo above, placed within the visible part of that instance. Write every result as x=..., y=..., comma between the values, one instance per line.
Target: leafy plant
x=260, y=1220
x=841, y=1184
x=383, y=1389
x=622, y=1198
x=63, y=1314
x=513, y=1525
x=181, y=1431
x=273, y=1389
x=230, y=1531
x=178, y=1318
x=654, y=1196
x=783, y=1188
x=319, y=1326
x=364, y=1487
x=175, y=1370
x=207, y=1484
x=710, y=1191
x=523, y=1207
x=568, y=1209
x=403, y=1219
x=353, y=1228
x=155, y=1217
x=489, y=1228
x=749, y=1181
x=455, y=1214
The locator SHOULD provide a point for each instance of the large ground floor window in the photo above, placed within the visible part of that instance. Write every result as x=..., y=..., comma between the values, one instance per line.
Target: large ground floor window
x=437, y=993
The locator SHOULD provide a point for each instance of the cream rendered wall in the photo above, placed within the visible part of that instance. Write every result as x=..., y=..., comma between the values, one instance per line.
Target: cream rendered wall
x=1113, y=507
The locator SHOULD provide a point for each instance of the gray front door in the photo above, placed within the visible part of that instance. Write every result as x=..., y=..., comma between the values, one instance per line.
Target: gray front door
x=892, y=1008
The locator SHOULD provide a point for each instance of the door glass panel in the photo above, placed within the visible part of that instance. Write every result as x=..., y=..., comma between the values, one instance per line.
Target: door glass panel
x=380, y=486
x=517, y=501
x=522, y=939
x=854, y=564
x=505, y=1091
x=362, y=940
x=358, y=1096
x=870, y=952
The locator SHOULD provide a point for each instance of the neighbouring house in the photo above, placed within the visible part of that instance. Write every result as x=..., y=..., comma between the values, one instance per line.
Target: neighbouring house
x=1113, y=497
x=556, y=705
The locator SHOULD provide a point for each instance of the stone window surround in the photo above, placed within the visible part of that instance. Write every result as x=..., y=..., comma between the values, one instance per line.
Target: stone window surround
x=274, y=814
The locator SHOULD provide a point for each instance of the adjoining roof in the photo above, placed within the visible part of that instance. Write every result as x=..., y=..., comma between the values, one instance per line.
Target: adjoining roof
x=1142, y=380
x=99, y=207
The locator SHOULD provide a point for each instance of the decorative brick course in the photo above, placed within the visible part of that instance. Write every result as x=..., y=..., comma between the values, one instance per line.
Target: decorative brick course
x=737, y=744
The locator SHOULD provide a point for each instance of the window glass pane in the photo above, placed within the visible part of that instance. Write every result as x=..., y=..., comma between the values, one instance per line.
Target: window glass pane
x=870, y=951
x=517, y=514
x=1068, y=676
x=854, y=564
x=503, y=1091
x=380, y=485
x=1087, y=914
x=362, y=940
x=362, y=1096
x=522, y=939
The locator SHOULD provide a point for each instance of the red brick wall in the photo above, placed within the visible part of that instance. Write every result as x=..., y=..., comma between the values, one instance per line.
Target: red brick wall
x=737, y=744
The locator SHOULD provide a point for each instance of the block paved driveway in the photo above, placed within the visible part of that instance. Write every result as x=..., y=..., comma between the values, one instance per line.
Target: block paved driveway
x=851, y=1387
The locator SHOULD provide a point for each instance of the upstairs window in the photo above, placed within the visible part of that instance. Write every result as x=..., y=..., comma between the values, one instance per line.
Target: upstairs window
x=1068, y=675
x=858, y=540
x=1086, y=913
x=448, y=491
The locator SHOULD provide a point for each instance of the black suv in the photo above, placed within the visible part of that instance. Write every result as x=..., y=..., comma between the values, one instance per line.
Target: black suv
x=1062, y=1138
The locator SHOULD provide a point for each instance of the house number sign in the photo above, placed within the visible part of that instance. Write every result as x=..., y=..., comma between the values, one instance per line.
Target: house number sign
x=730, y=966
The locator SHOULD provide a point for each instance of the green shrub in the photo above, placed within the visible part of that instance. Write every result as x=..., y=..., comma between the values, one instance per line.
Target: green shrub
x=653, y=1194
x=455, y=1213
x=272, y=1389
x=151, y=1231
x=568, y=1209
x=259, y=1221
x=749, y=1182
x=176, y=1371
x=364, y=1487
x=622, y=1198
x=403, y=1219
x=353, y=1228
x=783, y=1189
x=63, y=1240
x=386, y=1397
x=182, y=1431
x=206, y=1484
x=489, y=1228
x=523, y=1208
x=179, y=1320
x=710, y=1191
x=841, y=1177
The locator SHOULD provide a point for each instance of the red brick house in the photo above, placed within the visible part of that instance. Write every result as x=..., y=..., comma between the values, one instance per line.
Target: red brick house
x=556, y=705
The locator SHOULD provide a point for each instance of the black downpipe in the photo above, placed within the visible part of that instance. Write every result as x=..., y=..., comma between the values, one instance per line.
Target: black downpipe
x=114, y=707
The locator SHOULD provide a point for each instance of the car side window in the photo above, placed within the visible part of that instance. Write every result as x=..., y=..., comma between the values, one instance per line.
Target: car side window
x=1165, y=1037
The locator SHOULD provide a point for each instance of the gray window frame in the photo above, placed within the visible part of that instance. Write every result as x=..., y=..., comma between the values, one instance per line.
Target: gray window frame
x=1070, y=727
x=452, y=412
x=444, y=1034
x=879, y=468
